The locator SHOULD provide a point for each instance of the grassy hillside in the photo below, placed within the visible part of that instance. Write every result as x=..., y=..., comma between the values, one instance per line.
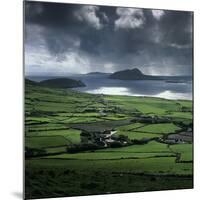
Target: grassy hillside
x=54, y=119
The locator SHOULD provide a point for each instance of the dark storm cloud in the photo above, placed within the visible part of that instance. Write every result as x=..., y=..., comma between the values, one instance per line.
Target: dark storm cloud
x=177, y=27
x=109, y=38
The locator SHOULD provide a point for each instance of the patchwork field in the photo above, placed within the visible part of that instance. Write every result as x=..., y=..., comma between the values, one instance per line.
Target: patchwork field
x=137, y=157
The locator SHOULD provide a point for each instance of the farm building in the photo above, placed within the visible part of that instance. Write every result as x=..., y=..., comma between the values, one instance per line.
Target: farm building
x=174, y=141
x=102, y=113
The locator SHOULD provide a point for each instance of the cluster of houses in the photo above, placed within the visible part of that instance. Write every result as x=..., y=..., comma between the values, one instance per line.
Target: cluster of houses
x=106, y=136
x=178, y=138
x=100, y=137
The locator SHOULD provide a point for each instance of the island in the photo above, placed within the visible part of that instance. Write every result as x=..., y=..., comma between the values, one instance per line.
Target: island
x=59, y=83
x=133, y=74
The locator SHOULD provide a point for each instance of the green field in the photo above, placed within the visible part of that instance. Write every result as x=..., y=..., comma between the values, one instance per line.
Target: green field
x=42, y=142
x=139, y=135
x=54, y=120
x=159, y=128
x=186, y=151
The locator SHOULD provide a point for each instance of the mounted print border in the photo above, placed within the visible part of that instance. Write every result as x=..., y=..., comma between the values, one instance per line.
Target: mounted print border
x=108, y=99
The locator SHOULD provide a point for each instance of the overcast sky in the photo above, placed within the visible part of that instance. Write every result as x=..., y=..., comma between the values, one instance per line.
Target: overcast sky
x=68, y=38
